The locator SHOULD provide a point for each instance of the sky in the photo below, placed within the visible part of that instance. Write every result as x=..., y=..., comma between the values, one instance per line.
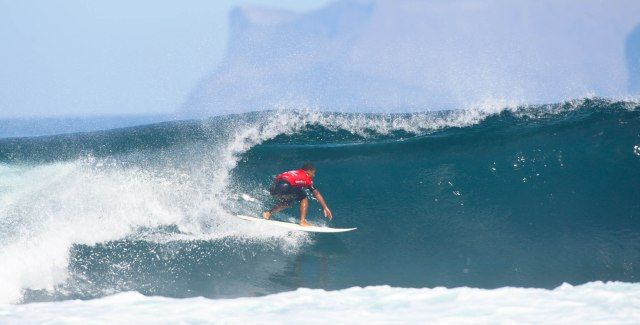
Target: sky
x=117, y=57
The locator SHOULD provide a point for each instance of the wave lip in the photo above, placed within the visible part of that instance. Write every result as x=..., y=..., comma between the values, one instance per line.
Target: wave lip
x=611, y=302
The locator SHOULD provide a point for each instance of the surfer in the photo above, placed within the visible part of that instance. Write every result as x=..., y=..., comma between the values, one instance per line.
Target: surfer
x=292, y=186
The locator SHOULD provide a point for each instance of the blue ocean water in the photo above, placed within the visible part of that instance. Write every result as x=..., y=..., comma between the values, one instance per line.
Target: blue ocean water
x=529, y=196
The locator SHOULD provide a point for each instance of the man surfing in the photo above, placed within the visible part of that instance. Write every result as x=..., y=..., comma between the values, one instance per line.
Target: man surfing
x=292, y=186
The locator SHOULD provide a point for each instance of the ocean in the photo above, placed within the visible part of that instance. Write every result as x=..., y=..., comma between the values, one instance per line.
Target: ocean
x=456, y=211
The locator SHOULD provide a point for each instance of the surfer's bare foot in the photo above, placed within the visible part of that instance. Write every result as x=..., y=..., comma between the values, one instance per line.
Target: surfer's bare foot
x=266, y=215
x=304, y=223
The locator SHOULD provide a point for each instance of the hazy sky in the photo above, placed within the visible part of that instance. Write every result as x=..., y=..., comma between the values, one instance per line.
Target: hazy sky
x=81, y=57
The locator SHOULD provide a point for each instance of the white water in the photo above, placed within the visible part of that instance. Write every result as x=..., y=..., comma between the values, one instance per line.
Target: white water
x=595, y=302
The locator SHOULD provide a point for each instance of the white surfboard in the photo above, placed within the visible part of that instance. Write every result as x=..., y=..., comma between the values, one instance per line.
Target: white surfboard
x=293, y=226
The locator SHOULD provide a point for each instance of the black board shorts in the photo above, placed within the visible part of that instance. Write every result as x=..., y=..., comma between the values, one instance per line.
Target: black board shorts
x=284, y=193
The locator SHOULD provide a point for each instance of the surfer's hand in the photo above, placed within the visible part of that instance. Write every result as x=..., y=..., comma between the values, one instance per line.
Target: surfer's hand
x=327, y=213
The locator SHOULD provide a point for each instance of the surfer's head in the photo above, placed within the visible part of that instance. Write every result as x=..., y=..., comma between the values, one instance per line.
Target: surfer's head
x=309, y=168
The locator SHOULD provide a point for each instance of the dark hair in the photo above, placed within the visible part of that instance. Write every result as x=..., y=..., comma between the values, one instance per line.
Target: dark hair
x=308, y=167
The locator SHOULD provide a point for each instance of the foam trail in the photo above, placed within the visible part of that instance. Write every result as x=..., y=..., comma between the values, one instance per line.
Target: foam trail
x=51, y=207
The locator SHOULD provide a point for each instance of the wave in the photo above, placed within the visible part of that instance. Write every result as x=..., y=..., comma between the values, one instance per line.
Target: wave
x=485, y=197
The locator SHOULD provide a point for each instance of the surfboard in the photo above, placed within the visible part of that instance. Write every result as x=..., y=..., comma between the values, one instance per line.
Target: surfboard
x=293, y=226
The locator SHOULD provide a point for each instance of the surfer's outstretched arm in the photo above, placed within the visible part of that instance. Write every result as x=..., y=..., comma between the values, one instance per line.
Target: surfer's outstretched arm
x=325, y=208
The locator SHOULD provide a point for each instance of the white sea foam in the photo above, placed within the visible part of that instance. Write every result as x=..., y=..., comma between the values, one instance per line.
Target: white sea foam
x=46, y=209
x=596, y=302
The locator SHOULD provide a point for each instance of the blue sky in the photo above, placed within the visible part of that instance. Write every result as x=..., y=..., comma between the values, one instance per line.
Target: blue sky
x=80, y=58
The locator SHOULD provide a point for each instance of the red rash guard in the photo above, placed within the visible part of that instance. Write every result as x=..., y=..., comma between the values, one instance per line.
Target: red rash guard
x=297, y=178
